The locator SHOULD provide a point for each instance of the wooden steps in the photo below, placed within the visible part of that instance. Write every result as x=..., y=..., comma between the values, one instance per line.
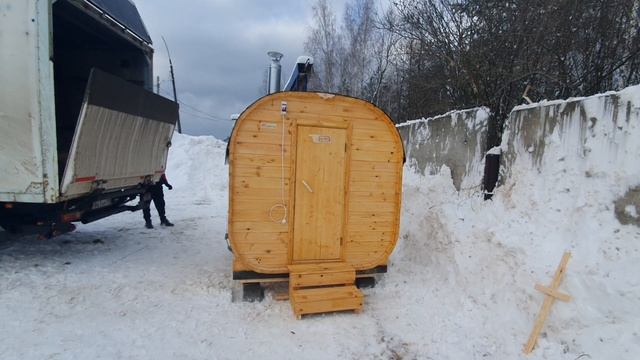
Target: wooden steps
x=323, y=287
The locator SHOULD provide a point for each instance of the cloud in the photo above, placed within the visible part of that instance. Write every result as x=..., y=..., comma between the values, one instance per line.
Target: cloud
x=219, y=48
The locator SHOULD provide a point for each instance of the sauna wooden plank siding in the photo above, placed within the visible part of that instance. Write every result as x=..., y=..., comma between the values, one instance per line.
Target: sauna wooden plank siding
x=349, y=209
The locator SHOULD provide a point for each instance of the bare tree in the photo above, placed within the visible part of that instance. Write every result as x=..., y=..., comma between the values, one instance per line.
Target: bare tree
x=425, y=57
x=488, y=51
x=359, y=32
x=324, y=44
x=360, y=59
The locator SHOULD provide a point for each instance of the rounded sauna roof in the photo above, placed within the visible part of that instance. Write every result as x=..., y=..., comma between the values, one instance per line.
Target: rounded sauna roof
x=313, y=177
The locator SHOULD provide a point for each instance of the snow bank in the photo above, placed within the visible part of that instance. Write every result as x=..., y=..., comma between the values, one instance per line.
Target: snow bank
x=567, y=164
x=456, y=139
x=196, y=164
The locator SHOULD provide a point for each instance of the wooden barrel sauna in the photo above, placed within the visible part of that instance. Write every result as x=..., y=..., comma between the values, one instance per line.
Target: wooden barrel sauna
x=313, y=178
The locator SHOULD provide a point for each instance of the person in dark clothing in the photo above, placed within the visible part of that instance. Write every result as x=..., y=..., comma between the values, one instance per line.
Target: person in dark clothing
x=157, y=195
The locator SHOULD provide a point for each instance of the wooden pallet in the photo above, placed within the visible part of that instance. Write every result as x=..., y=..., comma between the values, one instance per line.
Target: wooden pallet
x=322, y=288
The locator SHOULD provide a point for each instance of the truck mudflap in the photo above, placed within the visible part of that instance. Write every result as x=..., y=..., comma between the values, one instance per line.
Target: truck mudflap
x=122, y=137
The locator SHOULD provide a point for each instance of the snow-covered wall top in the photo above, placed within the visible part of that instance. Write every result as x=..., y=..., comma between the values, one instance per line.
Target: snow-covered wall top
x=593, y=142
x=456, y=139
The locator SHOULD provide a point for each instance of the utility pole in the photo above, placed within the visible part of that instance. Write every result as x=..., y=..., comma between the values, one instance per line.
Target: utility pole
x=158, y=85
x=173, y=82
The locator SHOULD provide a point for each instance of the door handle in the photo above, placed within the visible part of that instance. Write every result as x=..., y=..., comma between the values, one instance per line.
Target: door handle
x=307, y=186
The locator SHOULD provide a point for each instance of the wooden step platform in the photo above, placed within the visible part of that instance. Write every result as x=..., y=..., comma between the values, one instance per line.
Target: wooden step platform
x=323, y=287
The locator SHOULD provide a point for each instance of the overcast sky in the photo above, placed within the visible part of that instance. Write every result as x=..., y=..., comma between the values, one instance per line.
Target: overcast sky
x=219, y=52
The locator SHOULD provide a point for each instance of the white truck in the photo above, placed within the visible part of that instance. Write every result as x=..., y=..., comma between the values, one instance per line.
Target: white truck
x=81, y=133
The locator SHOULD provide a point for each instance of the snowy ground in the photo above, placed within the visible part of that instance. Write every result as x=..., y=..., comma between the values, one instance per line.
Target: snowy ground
x=460, y=283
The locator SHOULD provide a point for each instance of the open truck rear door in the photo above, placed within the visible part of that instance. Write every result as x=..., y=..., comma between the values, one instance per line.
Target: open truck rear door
x=122, y=137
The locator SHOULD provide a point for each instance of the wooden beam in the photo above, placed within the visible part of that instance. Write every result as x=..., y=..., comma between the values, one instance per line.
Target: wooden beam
x=546, y=305
x=553, y=293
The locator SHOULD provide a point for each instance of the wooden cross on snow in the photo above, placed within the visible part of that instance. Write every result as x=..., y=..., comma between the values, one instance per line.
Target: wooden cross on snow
x=551, y=294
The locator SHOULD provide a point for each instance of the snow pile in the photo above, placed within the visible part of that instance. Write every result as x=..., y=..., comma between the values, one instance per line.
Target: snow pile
x=569, y=162
x=195, y=164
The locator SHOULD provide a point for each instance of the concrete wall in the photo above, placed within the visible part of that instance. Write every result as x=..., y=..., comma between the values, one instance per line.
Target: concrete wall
x=593, y=143
x=456, y=139
x=599, y=129
x=585, y=149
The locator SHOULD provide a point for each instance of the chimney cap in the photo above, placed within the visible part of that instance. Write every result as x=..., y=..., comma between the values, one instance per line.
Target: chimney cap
x=275, y=56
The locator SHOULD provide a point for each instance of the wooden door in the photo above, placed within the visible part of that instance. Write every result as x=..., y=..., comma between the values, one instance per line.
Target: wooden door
x=319, y=194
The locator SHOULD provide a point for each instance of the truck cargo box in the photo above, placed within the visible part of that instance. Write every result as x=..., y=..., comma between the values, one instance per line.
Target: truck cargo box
x=78, y=120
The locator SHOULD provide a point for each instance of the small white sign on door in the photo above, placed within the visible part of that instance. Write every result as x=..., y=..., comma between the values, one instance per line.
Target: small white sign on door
x=320, y=139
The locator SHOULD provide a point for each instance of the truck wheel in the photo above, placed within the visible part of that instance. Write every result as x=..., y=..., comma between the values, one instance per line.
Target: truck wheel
x=366, y=282
x=252, y=292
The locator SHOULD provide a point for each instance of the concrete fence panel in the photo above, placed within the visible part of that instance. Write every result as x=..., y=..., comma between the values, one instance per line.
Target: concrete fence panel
x=456, y=140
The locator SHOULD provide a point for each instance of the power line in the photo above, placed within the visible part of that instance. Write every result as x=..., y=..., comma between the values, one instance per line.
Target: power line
x=194, y=111
x=200, y=116
x=198, y=110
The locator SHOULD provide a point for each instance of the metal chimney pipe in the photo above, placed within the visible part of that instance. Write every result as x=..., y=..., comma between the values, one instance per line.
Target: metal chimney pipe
x=275, y=71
